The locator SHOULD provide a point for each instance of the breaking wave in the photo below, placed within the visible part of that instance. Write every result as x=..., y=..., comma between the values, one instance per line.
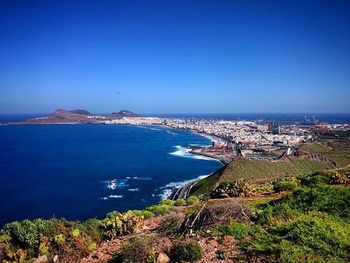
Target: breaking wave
x=133, y=189
x=185, y=152
x=112, y=197
x=115, y=183
x=167, y=189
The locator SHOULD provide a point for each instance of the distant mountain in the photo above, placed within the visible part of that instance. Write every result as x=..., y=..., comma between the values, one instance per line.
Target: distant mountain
x=64, y=116
x=61, y=116
x=81, y=112
x=62, y=112
x=124, y=113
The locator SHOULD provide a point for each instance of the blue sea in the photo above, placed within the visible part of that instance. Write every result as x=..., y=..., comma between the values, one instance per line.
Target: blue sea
x=84, y=171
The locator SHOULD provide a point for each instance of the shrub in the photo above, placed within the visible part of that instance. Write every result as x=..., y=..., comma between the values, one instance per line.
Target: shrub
x=285, y=186
x=28, y=232
x=339, y=178
x=170, y=224
x=147, y=214
x=73, y=240
x=331, y=199
x=180, y=202
x=231, y=189
x=316, y=237
x=265, y=215
x=309, y=225
x=93, y=229
x=192, y=200
x=204, y=197
x=117, y=224
x=138, y=250
x=316, y=179
x=160, y=209
x=186, y=251
x=238, y=230
x=168, y=202
x=263, y=187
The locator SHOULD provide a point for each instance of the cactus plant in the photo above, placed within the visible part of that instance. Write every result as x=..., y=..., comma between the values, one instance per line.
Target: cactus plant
x=339, y=178
x=231, y=189
x=118, y=224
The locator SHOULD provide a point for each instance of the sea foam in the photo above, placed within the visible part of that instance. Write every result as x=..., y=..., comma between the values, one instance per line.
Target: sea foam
x=112, y=197
x=168, y=188
x=115, y=183
x=185, y=152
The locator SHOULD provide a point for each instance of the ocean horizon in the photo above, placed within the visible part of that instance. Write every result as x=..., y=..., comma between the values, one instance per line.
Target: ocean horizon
x=340, y=118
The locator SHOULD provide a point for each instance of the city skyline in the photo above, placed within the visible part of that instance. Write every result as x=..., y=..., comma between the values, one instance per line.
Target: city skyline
x=175, y=56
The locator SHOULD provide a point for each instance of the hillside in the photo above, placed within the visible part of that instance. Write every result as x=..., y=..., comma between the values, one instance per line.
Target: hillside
x=305, y=219
x=336, y=150
x=261, y=170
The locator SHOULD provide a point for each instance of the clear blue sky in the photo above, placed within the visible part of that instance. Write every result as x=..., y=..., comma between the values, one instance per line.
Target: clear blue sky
x=175, y=56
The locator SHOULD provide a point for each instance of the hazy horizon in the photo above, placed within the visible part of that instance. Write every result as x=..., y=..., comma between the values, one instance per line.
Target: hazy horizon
x=171, y=57
x=178, y=113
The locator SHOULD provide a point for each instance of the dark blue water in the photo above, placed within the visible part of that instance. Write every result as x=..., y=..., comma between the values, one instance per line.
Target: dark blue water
x=68, y=170
x=4, y=118
x=65, y=170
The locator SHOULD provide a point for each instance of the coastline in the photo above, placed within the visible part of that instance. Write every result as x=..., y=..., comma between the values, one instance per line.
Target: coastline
x=182, y=190
x=177, y=189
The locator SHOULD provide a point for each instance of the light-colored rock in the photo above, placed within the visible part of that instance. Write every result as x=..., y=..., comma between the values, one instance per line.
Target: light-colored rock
x=41, y=259
x=55, y=258
x=213, y=243
x=163, y=258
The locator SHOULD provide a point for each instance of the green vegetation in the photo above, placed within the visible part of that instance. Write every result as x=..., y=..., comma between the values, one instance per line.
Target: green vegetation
x=160, y=209
x=180, y=202
x=186, y=251
x=205, y=185
x=117, y=224
x=313, y=237
x=231, y=189
x=192, y=200
x=21, y=241
x=259, y=170
x=236, y=229
x=263, y=187
x=170, y=225
x=343, y=134
x=167, y=202
x=309, y=225
x=338, y=151
x=324, y=178
x=138, y=250
x=286, y=184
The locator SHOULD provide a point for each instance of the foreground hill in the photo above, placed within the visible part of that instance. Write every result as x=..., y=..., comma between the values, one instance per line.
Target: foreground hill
x=257, y=171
